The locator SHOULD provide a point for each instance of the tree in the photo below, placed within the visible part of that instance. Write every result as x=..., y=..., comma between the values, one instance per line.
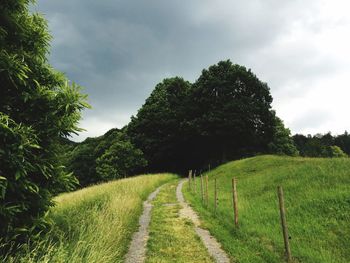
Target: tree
x=82, y=162
x=300, y=142
x=120, y=160
x=282, y=142
x=326, y=139
x=315, y=148
x=343, y=141
x=225, y=114
x=157, y=128
x=230, y=113
x=106, y=157
x=323, y=145
x=38, y=107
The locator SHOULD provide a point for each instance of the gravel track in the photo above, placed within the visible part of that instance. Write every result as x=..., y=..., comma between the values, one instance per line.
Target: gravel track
x=213, y=246
x=137, y=249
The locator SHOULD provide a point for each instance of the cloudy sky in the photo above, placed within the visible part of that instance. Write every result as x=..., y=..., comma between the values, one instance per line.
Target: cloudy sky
x=119, y=50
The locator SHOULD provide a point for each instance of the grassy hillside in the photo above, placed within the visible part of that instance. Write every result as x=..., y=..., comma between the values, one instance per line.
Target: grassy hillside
x=317, y=197
x=94, y=224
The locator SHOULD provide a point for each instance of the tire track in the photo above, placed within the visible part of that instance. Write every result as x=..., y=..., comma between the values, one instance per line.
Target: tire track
x=210, y=242
x=137, y=249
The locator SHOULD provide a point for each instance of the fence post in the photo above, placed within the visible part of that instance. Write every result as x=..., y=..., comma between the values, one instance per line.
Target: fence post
x=189, y=179
x=284, y=224
x=215, y=195
x=194, y=182
x=202, y=189
x=234, y=199
x=206, y=194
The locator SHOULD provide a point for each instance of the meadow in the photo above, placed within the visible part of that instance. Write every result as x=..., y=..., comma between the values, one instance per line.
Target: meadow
x=317, y=200
x=94, y=224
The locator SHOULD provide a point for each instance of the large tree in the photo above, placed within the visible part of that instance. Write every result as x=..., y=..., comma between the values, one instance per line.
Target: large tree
x=38, y=107
x=230, y=113
x=225, y=114
x=157, y=128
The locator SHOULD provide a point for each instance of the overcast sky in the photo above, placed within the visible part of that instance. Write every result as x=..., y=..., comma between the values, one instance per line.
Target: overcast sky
x=119, y=50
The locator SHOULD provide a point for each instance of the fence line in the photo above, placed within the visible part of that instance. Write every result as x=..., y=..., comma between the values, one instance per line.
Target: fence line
x=205, y=200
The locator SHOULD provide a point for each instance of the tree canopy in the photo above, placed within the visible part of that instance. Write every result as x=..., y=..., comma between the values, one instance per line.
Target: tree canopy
x=157, y=128
x=104, y=158
x=230, y=113
x=323, y=145
x=282, y=142
x=225, y=114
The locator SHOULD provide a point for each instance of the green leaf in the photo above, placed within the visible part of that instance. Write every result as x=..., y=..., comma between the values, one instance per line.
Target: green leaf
x=18, y=175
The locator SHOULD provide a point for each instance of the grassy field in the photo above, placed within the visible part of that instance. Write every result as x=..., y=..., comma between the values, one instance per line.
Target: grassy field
x=317, y=198
x=94, y=224
x=173, y=239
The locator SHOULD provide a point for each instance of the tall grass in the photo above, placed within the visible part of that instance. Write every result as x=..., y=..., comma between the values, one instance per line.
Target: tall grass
x=94, y=224
x=317, y=198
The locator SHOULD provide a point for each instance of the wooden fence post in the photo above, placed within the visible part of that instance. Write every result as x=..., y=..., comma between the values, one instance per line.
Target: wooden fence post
x=202, y=189
x=215, y=195
x=206, y=192
x=189, y=179
x=194, y=182
x=234, y=199
x=284, y=224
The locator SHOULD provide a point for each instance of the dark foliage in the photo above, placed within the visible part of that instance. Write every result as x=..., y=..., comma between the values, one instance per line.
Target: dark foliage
x=226, y=114
x=323, y=145
x=229, y=114
x=38, y=108
x=282, y=143
x=158, y=128
x=105, y=158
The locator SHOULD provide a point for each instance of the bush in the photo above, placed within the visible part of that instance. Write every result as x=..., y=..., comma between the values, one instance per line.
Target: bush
x=336, y=151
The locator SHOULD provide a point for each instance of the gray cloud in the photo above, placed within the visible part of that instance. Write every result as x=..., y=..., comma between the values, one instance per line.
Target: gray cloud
x=119, y=50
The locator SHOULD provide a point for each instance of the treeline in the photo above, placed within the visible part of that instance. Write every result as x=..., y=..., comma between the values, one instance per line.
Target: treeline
x=323, y=145
x=226, y=114
x=103, y=158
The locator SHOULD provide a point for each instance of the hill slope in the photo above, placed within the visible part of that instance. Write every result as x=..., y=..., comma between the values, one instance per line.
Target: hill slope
x=94, y=224
x=317, y=197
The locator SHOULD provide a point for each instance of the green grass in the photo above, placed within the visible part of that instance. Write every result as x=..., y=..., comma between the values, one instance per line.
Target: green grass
x=173, y=239
x=317, y=199
x=94, y=224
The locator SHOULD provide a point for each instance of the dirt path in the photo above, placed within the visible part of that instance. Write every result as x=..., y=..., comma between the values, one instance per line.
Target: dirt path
x=173, y=238
x=209, y=241
x=137, y=249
